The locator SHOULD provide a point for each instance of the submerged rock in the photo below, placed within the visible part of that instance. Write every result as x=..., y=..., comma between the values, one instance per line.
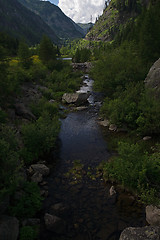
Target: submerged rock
x=144, y=233
x=54, y=224
x=9, y=228
x=31, y=222
x=76, y=98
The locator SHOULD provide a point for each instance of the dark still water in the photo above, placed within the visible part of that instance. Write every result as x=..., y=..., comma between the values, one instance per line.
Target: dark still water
x=87, y=210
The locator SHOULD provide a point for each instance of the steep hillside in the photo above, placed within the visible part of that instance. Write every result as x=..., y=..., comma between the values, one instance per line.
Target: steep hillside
x=86, y=26
x=63, y=26
x=20, y=22
x=114, y=17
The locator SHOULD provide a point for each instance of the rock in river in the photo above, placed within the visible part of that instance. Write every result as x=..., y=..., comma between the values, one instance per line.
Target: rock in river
x=54, y=223
x=76, y=98
x=40, y=168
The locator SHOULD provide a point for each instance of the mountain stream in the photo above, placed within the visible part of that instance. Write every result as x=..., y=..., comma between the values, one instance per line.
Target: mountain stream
x=77, y=192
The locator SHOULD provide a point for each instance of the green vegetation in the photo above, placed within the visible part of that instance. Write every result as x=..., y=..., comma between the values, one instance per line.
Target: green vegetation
x=23, y=141
x=82, y=55
x=28, y=233
x=29, y=203
x=136, y=170
x=39, y=137
x=119, y=73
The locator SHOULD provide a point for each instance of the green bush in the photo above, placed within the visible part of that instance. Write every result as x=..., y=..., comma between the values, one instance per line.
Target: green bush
x=9, y=159
x=44, y=106
x=136, y=170
x=38, y=71
x=29, y=203
x=148, y=120
x=28, y=233
x=63, y=81
x=123, y=109
x=82, y=55
x=40, y=137
x=3, y=116
x=117, y=68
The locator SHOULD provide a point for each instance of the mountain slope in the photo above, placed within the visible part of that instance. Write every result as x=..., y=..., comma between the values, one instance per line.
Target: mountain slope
x=62, y=25
x=22, y=23
x=114, y=18
x=85, y=26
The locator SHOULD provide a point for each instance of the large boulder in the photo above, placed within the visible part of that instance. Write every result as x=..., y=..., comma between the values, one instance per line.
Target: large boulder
x=54, y=223
x=76, y=98
x=153, y=78
x=153, y=215
x=37, y=177
x=144, y=233
x=9, y=228
x=40, y=168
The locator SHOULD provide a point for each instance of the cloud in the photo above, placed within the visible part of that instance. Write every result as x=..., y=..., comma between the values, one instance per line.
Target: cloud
x=82, y=10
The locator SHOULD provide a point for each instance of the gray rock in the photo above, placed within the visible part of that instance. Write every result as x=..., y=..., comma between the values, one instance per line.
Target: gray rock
x=153, y=215
x=59, y=209
x=113, y=127
x=104, y=123
x=44, y=193
x=37, y=177
x=144, y=233
x=54, y=224
x=76, y=98
x=146, y=138
x=21, y=110
x=153, y=78
x=31, y=222
x=81, y=108
x=40, y=168
x=51, y=101
x=112, y=191
x=9, y=228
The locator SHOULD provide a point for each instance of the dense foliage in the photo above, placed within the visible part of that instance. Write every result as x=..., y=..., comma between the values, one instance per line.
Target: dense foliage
x=136, y=170
x=23, y=142
x=121, y=70
x=120, y=73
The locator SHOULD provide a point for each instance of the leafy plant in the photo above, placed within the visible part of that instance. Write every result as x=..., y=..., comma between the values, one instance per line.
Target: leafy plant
x=28, y=233
x=29, y=203
x=40, y=137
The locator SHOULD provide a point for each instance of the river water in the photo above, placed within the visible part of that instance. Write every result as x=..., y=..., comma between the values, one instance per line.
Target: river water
x=77, y=186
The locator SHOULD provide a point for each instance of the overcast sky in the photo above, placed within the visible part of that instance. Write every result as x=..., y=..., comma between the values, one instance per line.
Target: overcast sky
x=81, y=10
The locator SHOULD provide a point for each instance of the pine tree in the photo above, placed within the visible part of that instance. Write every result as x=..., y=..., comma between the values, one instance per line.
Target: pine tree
x=24, y=55
x=47, y=51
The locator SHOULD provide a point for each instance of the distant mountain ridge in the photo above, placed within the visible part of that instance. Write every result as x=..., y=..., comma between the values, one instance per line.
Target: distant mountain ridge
x=20, y=22
x=51, y=14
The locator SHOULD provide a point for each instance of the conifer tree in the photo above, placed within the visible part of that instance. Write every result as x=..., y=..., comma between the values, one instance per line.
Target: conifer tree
x=47, y=51
x=24, y=55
